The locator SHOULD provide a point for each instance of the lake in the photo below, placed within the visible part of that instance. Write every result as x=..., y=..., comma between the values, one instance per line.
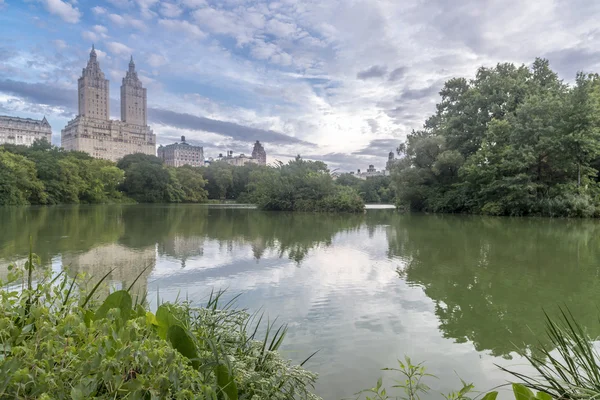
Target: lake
x=460, y=293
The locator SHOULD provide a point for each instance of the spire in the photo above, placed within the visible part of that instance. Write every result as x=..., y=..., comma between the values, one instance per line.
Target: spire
x=93, y=52
x=131, y=65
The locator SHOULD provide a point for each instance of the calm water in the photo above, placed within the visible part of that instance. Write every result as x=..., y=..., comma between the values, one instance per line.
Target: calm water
x=460, y=293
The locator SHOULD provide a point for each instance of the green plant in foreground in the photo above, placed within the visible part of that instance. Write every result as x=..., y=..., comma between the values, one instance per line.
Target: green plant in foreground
x=412, y=384
x=58, y=342
x=570, y=368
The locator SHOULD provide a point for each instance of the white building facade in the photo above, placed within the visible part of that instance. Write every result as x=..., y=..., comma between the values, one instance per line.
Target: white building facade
x=23, y=131
x=93, y=132
x=180, y=154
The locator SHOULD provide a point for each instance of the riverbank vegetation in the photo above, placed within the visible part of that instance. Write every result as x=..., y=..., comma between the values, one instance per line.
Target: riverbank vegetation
x=44, y=174
x=302, y=185
x=512, y=141
x=59, y=341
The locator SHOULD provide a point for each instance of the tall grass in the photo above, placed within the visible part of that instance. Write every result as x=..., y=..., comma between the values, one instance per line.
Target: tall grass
x=570, y=367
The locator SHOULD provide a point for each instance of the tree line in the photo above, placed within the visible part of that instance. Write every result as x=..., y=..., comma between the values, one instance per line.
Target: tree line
x=44, y=175
x=515, y=140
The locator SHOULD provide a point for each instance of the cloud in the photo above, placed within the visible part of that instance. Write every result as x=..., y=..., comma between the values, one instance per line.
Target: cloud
x=418, y=94
x=119, y=48
x=229, y=129
x=117, y=19
x=127, y=21
x=64, y=10
x=194, y=3
x=98, y=10
x=182, y=26
x=89, y=36
x=569, y=61
x=170, y=10
x=156, y=60
x=397, y=73
x=379, y=148
x=376, y=71
x=280, y=29
x=39, y=93
x=60, y=44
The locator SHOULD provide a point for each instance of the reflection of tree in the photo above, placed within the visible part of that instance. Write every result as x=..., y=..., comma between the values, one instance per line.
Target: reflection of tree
x=179, y=230
x=55, y=230
x=490, y=278
x=291, y=234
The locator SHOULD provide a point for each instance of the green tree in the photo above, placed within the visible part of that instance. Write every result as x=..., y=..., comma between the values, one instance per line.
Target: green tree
x=18, y=181
x=223, y=179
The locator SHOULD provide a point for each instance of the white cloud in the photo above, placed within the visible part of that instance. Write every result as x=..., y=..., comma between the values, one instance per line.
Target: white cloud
x=117, y=19
x=182, y=26
x=89, y=36
x=60, y=44
x=156, y=60
x=98, y=10
x=119, y=48
x=280, y=29
x=125, y=21
x=170, y=10
x=101, y=30
x=194, y=3
x=65, y=11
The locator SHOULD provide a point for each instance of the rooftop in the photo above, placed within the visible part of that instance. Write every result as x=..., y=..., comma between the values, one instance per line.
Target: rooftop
x=26, y=120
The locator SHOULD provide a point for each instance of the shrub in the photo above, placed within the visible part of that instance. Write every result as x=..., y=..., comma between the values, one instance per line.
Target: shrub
x=56, y=342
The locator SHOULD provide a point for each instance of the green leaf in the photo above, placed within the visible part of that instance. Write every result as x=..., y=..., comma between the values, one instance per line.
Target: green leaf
x=88, y=317
x=226, y=382
x=183, y=343
x=119, y=299
x=521, y=392
x=543, y=396
x=140, y=311
x=490, y=396
x=165, y=319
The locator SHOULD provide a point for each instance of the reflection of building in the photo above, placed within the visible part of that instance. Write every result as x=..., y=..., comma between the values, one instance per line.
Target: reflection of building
x=127, y=263
x=259, y=153
x=93, y=132
x=182, y=247
x=179, y=154
x=24, y=131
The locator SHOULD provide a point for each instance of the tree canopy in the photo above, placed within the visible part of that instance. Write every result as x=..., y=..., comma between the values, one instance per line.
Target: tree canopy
x=511, y=141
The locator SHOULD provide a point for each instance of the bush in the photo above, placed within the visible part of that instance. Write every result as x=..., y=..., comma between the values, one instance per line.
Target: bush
x=58, y=343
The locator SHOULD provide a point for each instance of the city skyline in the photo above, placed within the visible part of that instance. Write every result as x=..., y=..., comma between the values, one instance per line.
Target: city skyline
x=343, y=82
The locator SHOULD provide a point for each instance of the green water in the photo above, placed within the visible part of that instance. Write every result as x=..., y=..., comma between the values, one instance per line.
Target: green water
x=461, y=293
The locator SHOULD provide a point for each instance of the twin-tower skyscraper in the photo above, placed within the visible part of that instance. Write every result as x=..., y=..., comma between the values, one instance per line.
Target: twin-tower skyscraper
x=92, y=130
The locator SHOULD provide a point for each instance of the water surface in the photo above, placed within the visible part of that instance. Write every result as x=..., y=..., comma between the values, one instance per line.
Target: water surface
x=460, y=293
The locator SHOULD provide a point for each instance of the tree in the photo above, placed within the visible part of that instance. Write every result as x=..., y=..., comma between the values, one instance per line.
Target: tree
x=147, y=182
x=512, y=141
x=192, y=184
x=223, y=180
x=19, y=184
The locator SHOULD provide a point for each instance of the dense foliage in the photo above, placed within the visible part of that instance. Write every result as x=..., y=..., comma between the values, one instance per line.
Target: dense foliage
x=56, y=342
x=228, y=182
x=45, y=174
x=376, y=189
x=302, y=185
x=512, y=141
x=147, y=180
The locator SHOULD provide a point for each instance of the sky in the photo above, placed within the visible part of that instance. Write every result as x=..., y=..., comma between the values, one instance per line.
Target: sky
x=342, y=81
